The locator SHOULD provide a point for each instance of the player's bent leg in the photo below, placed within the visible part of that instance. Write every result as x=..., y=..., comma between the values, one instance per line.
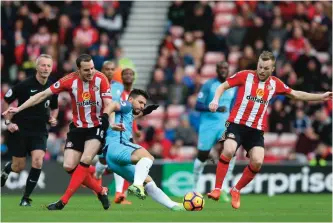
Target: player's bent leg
x=37, y=157
x=143, y=161
x=159, y=196
x=256, y=155
x=230, y=147
x=71, y=160
x=5, y=173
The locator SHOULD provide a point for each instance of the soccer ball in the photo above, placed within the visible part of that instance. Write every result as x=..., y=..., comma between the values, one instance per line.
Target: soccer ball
x=193, y=201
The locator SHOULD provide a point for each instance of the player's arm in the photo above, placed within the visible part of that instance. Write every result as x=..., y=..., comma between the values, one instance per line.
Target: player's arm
x=36, y=99
x=304, y=96
x=213, y=106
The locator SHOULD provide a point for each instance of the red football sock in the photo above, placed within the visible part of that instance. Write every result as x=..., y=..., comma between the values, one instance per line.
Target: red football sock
x=125, y=186
x=248, y=174
x=92, y=169
x=92, y=183
x=221, y=171
x=77, y=178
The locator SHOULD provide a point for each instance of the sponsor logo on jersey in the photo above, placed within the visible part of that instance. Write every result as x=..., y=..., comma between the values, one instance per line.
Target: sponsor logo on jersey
x=260, y=93
x=255, y=99
x=86, y=96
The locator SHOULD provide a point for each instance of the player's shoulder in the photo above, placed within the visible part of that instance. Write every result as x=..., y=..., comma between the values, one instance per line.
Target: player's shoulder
x=117, y=84
x=209, y=82
x=70, y=76
x=101, y=75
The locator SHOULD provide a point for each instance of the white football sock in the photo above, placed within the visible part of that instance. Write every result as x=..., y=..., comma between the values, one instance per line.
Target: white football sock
x=158, y=195
x=119, y=181
x=141, y=170
x=197, y=172
x=228, y=176
x=100, y=168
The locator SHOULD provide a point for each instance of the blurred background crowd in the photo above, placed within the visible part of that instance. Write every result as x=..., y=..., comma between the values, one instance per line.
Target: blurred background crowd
x=198, y=35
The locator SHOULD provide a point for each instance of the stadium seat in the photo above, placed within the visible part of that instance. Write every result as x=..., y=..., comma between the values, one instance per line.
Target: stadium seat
x=287, y=139
x=223, y=19
x=175, y=111
x=226, y=7
x=213, y=57
x=271, y=138
x=323, y=57
x=208, y=70
x=233, y=57
x=176, y=31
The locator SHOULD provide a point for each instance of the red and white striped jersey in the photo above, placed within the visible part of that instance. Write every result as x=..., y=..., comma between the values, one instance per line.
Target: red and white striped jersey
x=253, y=97
x=124, y=95
x=87, y=103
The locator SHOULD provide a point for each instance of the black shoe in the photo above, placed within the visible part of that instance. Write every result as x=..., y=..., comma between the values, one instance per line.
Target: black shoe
x=56, y=206
x=4, y=175
x=25, y=202
x=104, y=199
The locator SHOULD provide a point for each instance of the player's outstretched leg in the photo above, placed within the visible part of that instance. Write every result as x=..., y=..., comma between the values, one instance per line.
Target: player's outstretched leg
x=5, y=173
x=225, y=188
x=142, y=168
x=198, y=168
x=159, y=196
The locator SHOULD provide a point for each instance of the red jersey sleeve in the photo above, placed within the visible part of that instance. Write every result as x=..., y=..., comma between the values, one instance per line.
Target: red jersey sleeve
x=237, y=79
x=105, y=88
x=62, y=85
x=281, y=88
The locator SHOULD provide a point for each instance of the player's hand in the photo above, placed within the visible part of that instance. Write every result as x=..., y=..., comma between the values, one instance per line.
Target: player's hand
x=149, y=109
x=213, y=106
x=53, y=121
x=327, y=96
x=120, y=127
x=12, y=127
x=10, y=111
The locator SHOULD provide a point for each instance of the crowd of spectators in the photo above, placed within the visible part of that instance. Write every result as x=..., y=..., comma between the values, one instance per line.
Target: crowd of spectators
x=198, y=35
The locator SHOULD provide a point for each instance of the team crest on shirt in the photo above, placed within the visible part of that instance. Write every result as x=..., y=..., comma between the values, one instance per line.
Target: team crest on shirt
x=95, y=88
x=69, y=144
x=9, y=93
x=56, y=84
x=260, y=93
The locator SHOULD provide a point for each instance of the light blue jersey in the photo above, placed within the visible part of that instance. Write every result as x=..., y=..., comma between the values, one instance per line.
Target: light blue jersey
x=212, y=125
x=119, y=149
x=116, y=90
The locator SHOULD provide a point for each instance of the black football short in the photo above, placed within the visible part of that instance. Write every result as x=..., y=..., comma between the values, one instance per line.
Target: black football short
x=246, y=136
x=76, y=137
x=20, y=143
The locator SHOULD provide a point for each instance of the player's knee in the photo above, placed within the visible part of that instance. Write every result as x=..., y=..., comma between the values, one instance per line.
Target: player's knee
x=203, y=155
x=86, y=159
x=151, y=157
x=37, y=162
x=18, y=167
x=256, y=164
x=69, y=167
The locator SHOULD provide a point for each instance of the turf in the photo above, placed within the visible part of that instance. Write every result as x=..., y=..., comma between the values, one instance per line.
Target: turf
x=254, y=208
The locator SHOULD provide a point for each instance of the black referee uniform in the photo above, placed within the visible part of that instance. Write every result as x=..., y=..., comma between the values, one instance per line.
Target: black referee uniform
x=32, y=133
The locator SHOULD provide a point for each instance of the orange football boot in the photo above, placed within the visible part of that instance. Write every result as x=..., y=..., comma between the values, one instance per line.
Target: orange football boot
x=214, y=194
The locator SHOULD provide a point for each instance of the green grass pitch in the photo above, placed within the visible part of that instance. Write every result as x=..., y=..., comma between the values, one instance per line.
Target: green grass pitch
x=254, y=208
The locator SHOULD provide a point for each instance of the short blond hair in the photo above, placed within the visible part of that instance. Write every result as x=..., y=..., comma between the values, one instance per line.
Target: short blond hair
x=267, y=55
x=43, y=56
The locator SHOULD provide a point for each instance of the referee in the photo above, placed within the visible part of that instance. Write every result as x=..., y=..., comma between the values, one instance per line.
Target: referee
x=27, y=129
